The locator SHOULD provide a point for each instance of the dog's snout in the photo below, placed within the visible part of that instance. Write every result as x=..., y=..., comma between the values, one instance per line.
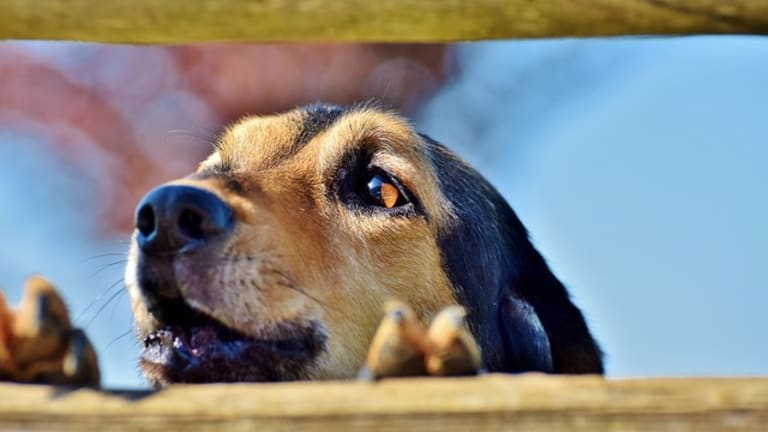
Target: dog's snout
x=177, y=218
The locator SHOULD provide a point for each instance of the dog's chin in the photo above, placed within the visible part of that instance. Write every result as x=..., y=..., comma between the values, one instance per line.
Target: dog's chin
x=199, y=349
x=181, y=344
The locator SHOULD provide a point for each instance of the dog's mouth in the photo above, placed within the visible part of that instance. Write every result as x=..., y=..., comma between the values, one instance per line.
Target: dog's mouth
x=192, y=347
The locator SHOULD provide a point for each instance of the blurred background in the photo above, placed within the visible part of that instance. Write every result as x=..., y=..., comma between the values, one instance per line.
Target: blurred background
x=639, y=165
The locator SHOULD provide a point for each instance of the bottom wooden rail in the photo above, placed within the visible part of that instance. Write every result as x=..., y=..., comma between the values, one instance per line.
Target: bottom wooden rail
x=491, y=402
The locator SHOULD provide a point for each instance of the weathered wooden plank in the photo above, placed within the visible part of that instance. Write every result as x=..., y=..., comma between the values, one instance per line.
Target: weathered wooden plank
x=183, y=21
x=492, y=402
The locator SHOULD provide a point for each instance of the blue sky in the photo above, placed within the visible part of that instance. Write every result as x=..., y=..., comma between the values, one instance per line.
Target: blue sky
x=640, y=167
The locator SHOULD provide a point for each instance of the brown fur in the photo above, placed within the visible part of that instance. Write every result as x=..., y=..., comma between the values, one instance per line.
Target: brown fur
x=297, y=254
x=38, y=343
x=399, y=345
x=452, y=350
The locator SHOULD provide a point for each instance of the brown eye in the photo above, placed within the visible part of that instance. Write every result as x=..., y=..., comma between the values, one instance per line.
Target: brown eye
x=383, y=193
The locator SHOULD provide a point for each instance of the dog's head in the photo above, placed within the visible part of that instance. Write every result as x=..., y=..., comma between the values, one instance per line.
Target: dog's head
x=273, y=260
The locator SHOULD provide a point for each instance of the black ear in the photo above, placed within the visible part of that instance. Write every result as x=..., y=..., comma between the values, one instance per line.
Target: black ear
x=517, y=309
x=526, y=344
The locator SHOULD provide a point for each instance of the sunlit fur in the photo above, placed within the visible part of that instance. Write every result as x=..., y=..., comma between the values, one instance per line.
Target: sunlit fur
x=399, y=345
x=38, y=343
x=300, y=254
x=452, y=349
x=304, y=253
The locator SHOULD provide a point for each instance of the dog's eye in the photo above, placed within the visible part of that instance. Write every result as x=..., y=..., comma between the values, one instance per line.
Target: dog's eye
x=383, y=192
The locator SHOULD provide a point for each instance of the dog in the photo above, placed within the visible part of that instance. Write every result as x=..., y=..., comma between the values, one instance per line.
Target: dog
x=272, y=261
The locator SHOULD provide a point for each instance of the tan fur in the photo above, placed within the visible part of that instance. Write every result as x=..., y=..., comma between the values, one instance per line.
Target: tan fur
x=399, y=345
x=298, y=253
x=39, y=344
x=451, y=348
x=6, y=326
x=35, y=338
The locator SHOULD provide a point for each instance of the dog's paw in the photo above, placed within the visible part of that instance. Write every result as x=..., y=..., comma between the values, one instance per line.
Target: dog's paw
x=452, y=350
x=398, y=347
x=402, y=346
x=38, y=343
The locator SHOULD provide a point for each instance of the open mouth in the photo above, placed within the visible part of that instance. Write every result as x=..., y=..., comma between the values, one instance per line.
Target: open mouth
x=192, y=347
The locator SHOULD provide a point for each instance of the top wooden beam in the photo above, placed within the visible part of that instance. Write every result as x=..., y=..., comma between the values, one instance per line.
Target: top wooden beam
x=185, y=21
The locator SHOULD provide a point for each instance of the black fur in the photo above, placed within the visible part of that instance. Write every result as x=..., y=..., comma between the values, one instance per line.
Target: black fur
x=519, y=323
x=319, y=118
x=504, y=283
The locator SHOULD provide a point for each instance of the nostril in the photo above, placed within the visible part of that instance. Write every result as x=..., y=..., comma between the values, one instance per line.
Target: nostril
x=145, y=220
x=191, y=224
x=179, y=219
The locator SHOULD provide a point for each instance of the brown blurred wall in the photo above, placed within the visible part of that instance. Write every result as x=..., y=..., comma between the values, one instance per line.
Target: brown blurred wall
x=133, y=117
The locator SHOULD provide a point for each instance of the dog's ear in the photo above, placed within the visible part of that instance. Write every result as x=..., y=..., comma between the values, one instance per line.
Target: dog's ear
x=519, y=312
x=526, y=344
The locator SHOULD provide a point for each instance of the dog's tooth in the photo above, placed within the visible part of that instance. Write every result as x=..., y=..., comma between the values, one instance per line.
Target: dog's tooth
x=178, y=343
x=148, y=340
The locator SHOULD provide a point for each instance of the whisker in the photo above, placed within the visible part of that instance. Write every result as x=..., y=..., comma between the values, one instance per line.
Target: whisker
x=122, y=335
x=106, y=266
x=283, y=279
x=286, y=282
x=205, y=136
x=114, y=307
x=300, y=291
x=111, y=254
x=101, y=309
x=98, y=297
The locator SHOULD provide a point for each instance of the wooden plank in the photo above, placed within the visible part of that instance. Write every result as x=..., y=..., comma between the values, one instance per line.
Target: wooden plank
x=184, y=21
x=492, y=402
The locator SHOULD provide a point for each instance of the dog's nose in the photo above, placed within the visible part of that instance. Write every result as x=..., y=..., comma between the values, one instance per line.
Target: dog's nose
x=176, y=219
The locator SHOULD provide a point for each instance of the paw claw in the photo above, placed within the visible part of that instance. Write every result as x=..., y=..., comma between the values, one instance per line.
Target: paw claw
x=366, y=374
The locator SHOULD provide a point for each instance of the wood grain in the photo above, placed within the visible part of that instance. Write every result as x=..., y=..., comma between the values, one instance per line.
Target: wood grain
x=184, y=21
x=492, y=402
